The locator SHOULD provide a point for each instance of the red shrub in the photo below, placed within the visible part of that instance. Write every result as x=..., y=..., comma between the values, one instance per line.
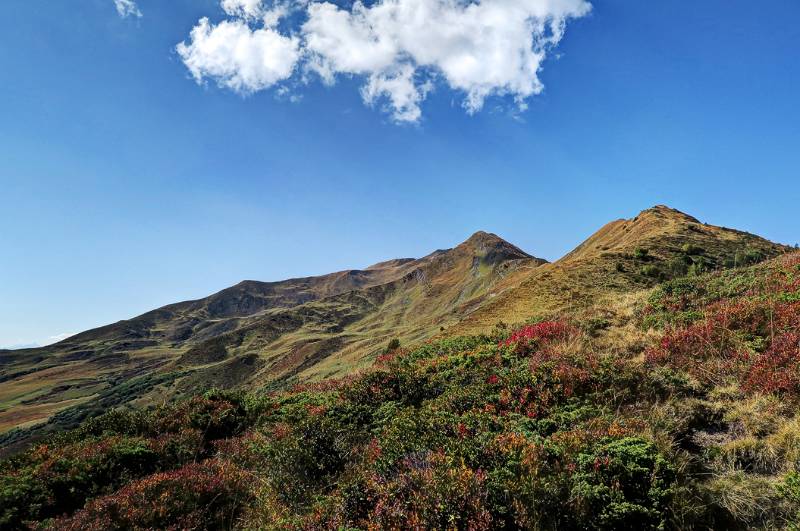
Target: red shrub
x=208, y=495
x=527, y=337
x=725, y=344
x=428, y=492
x=778, y=369
x=387, y=357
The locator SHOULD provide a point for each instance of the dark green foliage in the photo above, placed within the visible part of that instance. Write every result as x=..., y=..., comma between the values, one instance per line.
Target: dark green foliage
x=692, y=249
x=641, y=254
x=623, y=484
x=791, y=492
x=679, y=265
x=393, y=345
x=699, y=266
x=651, y=271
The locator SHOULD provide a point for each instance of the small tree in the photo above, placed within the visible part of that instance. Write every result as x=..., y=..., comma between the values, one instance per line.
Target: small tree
x=393, y=345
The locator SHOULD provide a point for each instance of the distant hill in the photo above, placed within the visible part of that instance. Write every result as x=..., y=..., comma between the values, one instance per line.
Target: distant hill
x=254, y=333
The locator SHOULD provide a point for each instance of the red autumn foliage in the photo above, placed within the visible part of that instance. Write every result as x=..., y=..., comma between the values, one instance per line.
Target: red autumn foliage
x=536, y=334
x=706, y=350
x=428, y=491
x=207, y=495
x=750, y=337
x=778, y=369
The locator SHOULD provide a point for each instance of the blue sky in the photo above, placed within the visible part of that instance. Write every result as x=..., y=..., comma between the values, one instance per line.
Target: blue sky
x=126, y=185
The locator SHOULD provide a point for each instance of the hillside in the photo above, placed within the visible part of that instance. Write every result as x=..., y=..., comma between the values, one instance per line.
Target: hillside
x=258, y=334
x=690, y=421
x=622, y=257
x=250, y=334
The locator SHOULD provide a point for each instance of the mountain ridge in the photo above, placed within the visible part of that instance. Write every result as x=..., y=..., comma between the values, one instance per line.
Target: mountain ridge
x=607, y=263
x=276, y=333
x=282, y=329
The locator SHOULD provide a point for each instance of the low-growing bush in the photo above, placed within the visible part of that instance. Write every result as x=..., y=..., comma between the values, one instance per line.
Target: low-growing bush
x=208, y=495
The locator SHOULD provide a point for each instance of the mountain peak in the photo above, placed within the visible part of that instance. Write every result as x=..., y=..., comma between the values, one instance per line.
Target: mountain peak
x=484, y=237
x=664, y=211
x=490, y=244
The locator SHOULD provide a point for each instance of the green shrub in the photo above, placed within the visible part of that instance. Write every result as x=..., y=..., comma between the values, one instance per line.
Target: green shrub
x=790, y=490
x=651, y=271
x=692, y=249
x=623, y=484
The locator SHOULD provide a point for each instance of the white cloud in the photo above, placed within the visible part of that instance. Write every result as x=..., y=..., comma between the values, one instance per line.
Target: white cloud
x=479, y=48
x=127, y=8
x=56, y=338
x=239, y=57
x=36, y=344
x=243, y=8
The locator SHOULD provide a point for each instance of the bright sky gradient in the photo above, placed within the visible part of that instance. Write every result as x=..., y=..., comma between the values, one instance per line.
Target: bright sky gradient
x=126, y=185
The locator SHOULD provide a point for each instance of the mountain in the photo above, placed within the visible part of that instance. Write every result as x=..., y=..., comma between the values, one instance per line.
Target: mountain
x=254, y=333
x=624, y=256
x=274, y=334
x=689, y=419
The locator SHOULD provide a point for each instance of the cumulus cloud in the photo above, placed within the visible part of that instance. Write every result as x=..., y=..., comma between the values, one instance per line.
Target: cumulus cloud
x=239, y=57
x=250, y=9
x=401, y=48
x=127, y=8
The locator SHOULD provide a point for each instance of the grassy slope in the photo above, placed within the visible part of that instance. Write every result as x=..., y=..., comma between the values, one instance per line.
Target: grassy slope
x=605, y=266
x=680, y=414
x=252, y=333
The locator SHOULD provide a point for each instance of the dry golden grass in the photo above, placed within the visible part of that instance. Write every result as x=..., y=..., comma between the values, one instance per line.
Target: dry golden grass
x=603, y=268
x=26, y=415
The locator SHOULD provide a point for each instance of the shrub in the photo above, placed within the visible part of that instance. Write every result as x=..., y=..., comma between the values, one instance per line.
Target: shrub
x=790, y=489
x=427, y=491
x=651, y=271
x=53, y=480
x=207, y=495
x=778, y=369
x=678, y=266
x=529, y=337
x=699, y=266
x=692, y=249
x=623, y=484
x=641, y=253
